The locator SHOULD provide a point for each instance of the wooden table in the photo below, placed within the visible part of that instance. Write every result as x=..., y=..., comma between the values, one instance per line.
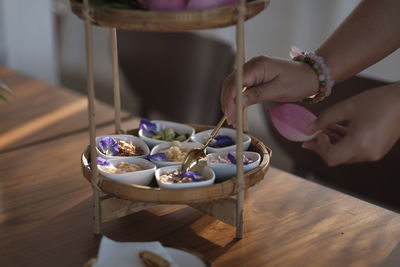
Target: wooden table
x=46, y=206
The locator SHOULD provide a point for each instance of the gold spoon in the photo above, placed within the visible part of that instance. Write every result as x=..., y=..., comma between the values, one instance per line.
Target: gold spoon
x=196, y=159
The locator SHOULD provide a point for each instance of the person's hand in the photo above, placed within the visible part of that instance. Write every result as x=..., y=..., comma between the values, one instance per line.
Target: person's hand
x=269, y=79
x=373, y=127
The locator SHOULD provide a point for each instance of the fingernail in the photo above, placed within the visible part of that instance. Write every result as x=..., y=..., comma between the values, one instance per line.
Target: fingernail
x=230, y=122
x=305, y=146
x=245, y=100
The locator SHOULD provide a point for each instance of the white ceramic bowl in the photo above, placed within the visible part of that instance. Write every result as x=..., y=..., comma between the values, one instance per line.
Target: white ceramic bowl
x=207, y=172
x=125, y=137
x=161, y=125
x=224, y=171
x=143, y=177
x=164, y=146
x=201, y=138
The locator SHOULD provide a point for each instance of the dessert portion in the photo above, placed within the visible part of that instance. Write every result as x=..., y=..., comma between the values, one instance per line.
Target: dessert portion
x=229, y=159
x=224, y=164
x=121, y=167
x=128, y=170
x=127, y=149
x=114, y=147
x=124, y=167
x=168, y=134
x=177, y=177
x=176, y=152
x=151, y=259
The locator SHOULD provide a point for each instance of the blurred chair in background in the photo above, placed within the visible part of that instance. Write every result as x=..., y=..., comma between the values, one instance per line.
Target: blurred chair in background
x=176, y=76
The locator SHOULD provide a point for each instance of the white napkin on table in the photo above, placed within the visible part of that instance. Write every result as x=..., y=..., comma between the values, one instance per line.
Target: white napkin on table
x=126, y=254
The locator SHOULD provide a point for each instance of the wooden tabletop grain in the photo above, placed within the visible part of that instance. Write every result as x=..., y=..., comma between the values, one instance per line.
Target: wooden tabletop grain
x=46, y=206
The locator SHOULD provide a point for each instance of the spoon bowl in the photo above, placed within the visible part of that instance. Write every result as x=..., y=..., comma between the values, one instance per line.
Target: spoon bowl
x=196, y=159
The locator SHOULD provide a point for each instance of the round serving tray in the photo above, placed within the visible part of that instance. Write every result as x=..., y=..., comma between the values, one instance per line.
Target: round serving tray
x=181, y=196
x=167, y=21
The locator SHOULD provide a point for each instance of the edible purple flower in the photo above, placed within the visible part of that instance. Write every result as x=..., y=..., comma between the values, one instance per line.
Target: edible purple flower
x=222, y=141
x=232, y=159
x=147, y=126
x=102, y=162
x=157, y=156
x=195, y=176
x=109, y=146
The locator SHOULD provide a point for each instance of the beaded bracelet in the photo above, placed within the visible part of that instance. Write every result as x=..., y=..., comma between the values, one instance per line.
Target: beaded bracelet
x=320, y=68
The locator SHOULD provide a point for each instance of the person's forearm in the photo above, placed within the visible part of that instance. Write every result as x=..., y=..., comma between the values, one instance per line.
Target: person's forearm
x=370, y=33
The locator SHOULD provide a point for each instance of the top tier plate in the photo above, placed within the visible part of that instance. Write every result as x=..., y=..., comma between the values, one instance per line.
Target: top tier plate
x=168, y=21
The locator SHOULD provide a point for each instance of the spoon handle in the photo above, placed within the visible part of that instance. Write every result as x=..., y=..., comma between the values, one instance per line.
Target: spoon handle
x=219, y=125
x=215, y=131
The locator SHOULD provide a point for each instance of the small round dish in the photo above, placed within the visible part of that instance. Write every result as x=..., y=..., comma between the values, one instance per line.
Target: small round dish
x=161, y=125
x=181, y=257
x=185, y=147
x=224, y=171
x=208, y=173
x=136, y=141
x=201, y=138
x=142, y=177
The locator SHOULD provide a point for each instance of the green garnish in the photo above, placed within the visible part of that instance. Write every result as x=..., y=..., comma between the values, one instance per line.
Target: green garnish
x=168, y=134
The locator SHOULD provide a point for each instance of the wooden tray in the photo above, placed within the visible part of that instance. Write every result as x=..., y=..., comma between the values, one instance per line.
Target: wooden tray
x=167, y=21
x=181, y=196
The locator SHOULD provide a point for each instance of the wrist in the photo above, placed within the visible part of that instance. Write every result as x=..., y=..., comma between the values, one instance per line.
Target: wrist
x=397, y=97
x=309, y=79
x=391, y=94
x=396, y=92
x=321, y=71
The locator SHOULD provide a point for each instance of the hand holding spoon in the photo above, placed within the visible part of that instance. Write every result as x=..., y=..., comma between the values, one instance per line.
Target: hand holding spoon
x=196, y=159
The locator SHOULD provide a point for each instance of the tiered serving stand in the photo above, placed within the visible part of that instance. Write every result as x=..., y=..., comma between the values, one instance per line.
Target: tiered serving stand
x=113, y=200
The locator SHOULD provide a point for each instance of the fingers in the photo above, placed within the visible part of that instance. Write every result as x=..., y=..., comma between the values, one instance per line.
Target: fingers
x=336, y=132
x=333, y=153
x=253, y=95
x=254, y=75
x=228, y=93
x=320, y=145
x=262, y=93
x=331, y=116
x=334, y=138
x=338, y=129
x=342, y=152
x=334, y=143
